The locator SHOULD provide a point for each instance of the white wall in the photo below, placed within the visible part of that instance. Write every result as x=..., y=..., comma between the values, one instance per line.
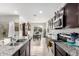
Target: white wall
x=4, y=20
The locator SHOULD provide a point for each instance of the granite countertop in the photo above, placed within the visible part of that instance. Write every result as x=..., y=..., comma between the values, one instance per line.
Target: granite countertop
x=7, y=50
x=71, y=50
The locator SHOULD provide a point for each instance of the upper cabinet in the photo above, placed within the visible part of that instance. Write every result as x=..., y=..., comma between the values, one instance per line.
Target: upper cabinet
x=25, y=28
x=66, y=17
x=78, y=14
x=71, y=13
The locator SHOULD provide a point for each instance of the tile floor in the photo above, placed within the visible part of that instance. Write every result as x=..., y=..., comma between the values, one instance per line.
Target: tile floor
x=39, y=48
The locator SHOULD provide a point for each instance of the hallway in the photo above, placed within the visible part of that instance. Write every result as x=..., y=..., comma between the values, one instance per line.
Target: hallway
x=39, y=48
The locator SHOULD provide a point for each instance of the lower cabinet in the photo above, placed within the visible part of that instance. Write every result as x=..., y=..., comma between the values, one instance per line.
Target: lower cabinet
x=60, y=52
x=28, y=49
x=24, y=50
x=23, y=53
x=16, y=54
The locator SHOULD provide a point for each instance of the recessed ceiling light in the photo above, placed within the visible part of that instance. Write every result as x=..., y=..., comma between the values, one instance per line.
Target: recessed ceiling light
x=40, y=11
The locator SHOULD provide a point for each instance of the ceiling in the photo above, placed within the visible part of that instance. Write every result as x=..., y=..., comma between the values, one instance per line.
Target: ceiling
x=31, y=11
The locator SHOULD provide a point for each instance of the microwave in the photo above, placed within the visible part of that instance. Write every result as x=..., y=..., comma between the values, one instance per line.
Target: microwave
x=59, y=20
x=59, y=23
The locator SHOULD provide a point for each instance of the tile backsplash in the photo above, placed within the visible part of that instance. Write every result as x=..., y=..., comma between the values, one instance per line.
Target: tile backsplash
x=54, y=32
x=69, y=30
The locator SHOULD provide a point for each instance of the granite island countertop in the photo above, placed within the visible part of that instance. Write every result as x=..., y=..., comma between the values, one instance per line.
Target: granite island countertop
x=7, y=50
x=71, y=50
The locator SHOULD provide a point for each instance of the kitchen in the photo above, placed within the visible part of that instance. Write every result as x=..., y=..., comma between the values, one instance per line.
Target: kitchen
x=53, y=27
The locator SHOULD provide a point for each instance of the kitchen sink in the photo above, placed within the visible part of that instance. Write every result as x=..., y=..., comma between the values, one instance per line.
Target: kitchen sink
x=13, y=44
x=17, y=42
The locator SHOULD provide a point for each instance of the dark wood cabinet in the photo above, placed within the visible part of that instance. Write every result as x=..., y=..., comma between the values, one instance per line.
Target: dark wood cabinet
x=28, y=49
x=23, y=50
x=71, y=10
x=24, y=29
x=60, y=52
x=23, y=53
x=16, y=54
x=78, y=13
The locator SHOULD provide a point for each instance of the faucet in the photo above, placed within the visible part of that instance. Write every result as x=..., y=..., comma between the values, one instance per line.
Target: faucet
x=12, y=40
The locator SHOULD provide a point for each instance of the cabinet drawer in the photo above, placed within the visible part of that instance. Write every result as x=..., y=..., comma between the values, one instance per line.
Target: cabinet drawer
x=58, y=53
x=28, y=48
x=61, y=50
x=16, y=54
x=22, y=49
x=23, y=54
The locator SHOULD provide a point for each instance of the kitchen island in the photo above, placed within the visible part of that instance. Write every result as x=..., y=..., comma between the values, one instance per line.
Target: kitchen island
x=22, y=49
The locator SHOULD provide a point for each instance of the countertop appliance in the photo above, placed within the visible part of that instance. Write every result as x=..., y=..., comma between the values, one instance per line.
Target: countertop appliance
x=67, y=37
x=59, y=21
x=63, y=37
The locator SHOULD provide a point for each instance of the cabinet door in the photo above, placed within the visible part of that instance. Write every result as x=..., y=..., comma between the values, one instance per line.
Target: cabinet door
x=28, y=48
x=22, y=50
x=61, y=51
x=71, y=10
x=22, y=54
x=16, y=54
x=58, y=53
x=24, y=30
x=78, y=14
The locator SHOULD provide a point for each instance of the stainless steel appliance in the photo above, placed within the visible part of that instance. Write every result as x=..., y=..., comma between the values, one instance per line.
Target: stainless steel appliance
x=59, y=20
x=62, y=37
